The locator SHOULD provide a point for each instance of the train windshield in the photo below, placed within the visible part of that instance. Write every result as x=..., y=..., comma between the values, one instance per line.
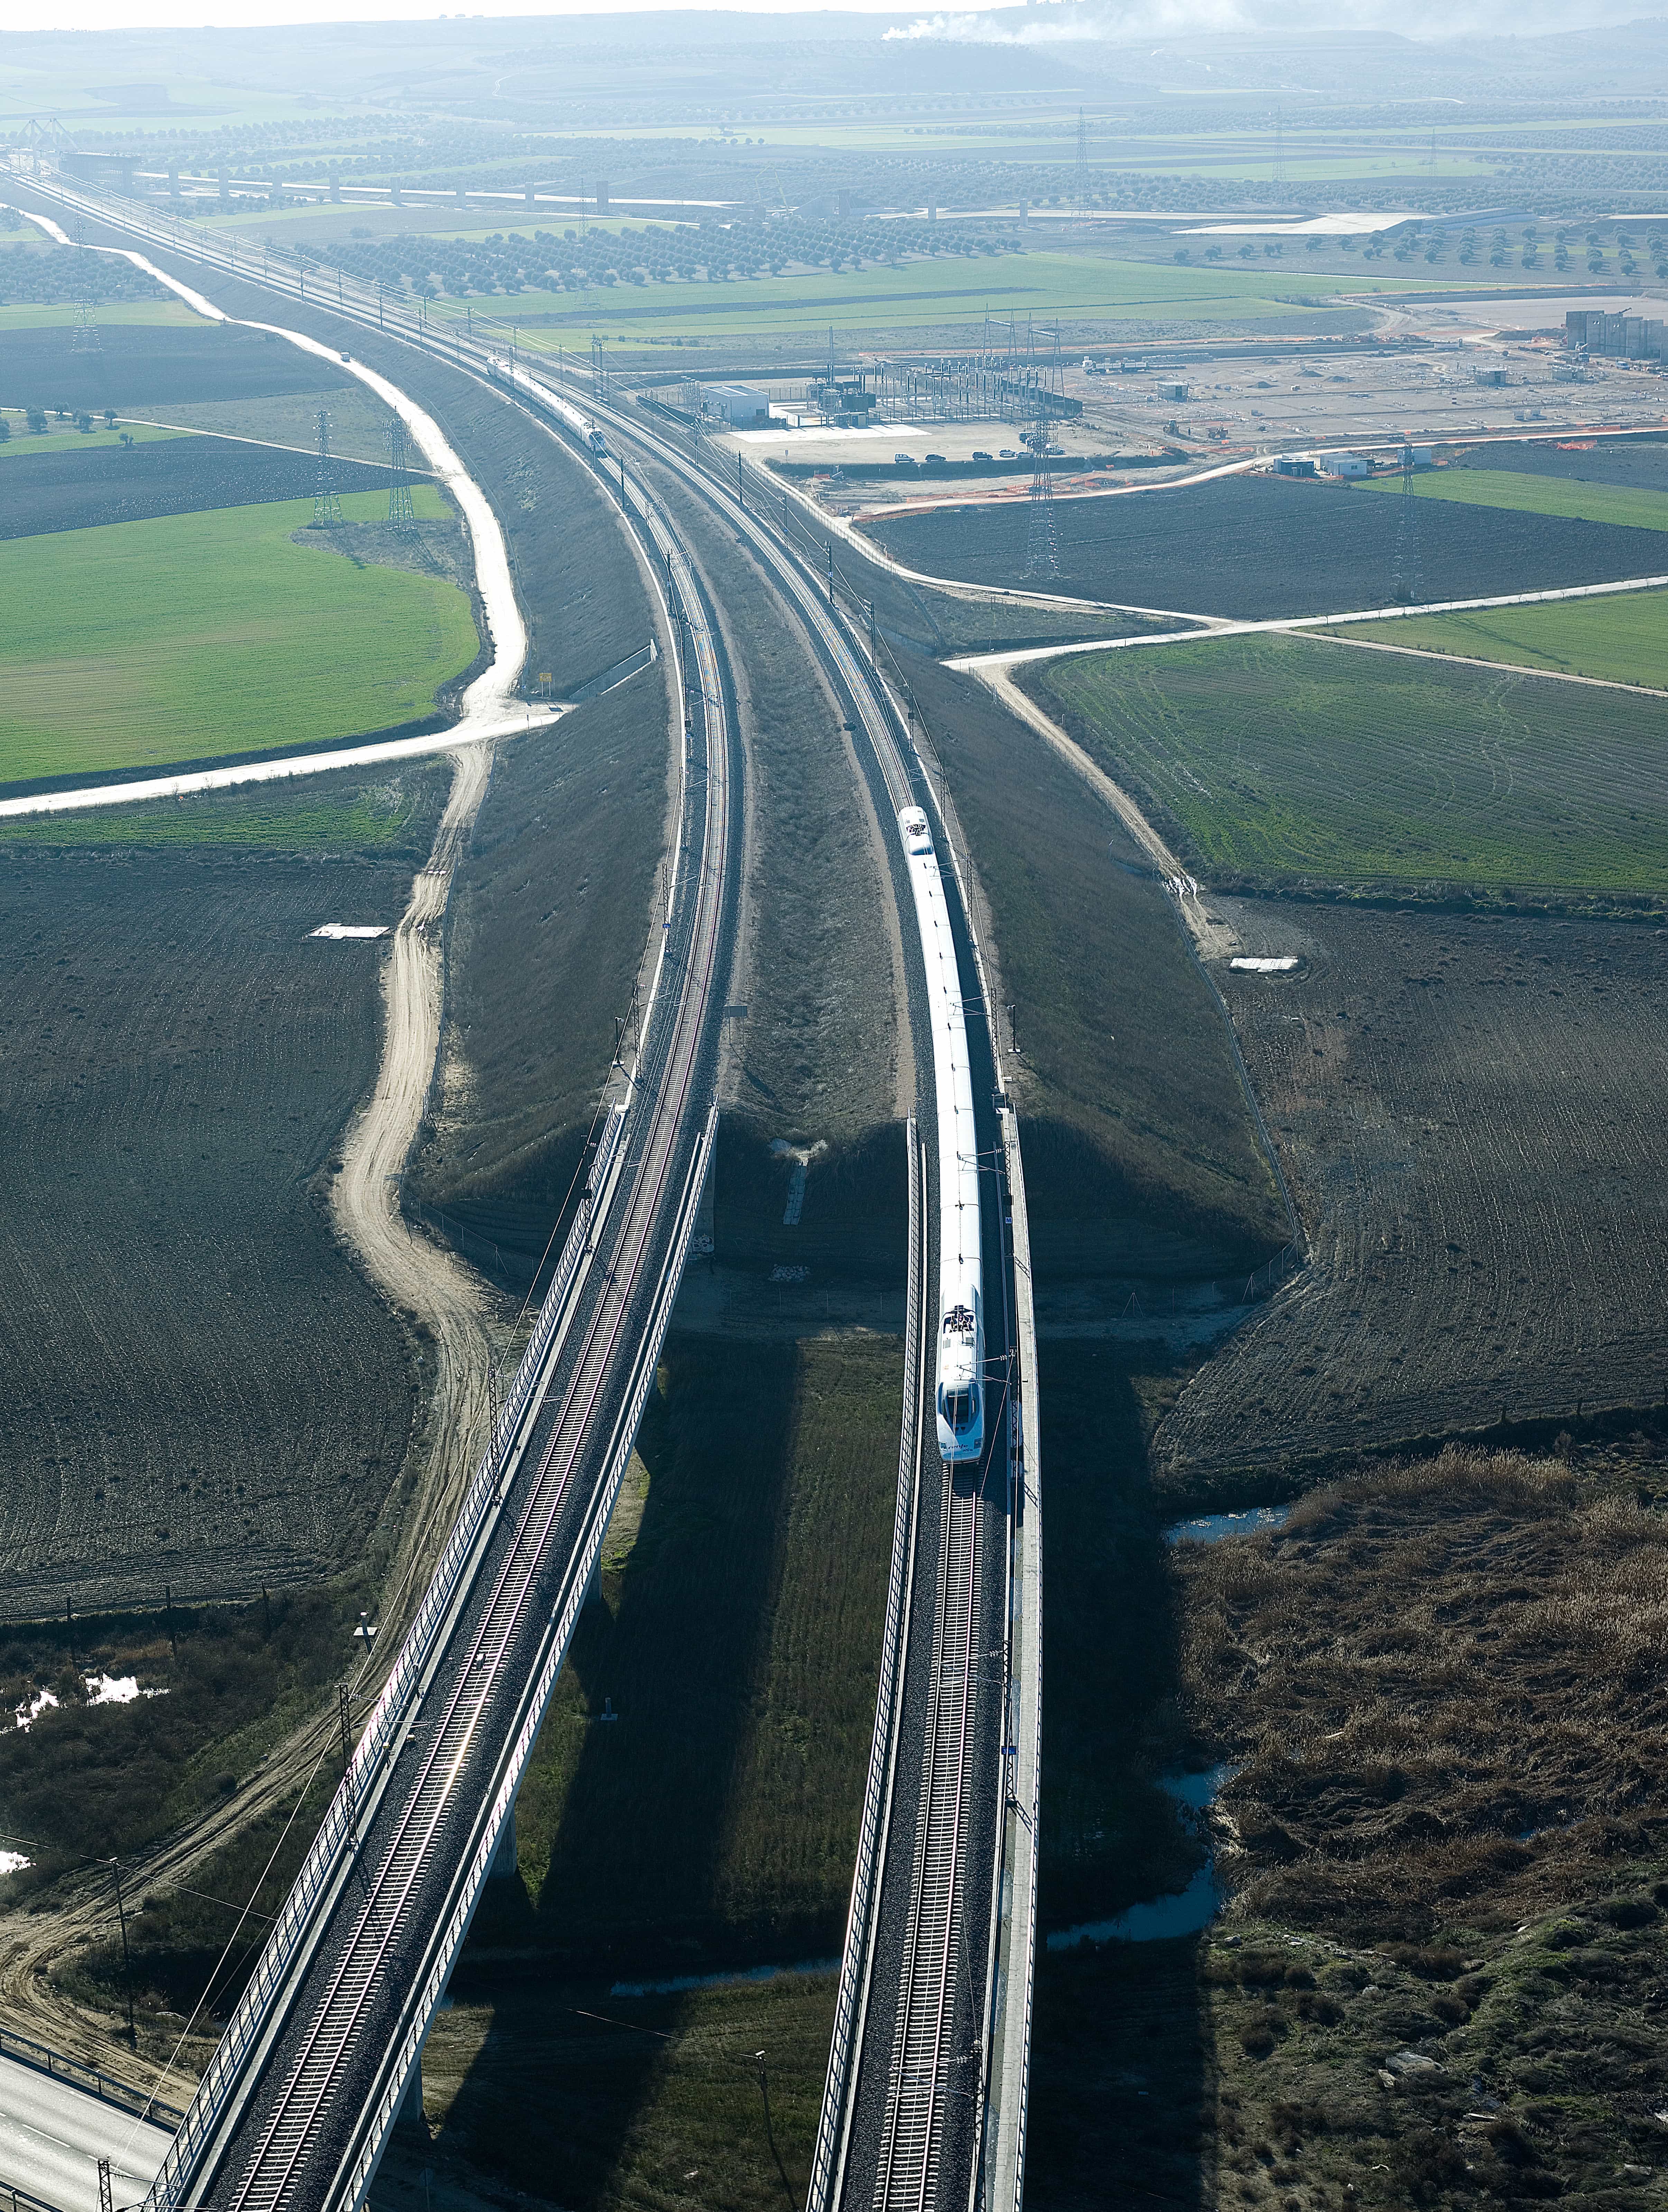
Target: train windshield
x=959, y=1407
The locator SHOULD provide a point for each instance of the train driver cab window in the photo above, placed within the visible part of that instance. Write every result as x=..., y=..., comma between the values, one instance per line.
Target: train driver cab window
x=958, y=1409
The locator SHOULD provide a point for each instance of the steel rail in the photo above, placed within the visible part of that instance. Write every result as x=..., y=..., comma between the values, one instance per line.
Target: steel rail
x=910, y=2164
x=857, y=1955
x=404, y=2059
x=911, y=2148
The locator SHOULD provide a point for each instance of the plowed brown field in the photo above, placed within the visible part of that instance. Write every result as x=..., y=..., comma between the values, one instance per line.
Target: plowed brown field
x=1468, y=1113
x=200, y=1389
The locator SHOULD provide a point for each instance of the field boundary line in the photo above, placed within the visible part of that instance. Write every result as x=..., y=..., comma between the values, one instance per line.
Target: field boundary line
x=1506, y=667
x=977, y=664
x=456, y=739
x=1208, y=938
x=274, y=445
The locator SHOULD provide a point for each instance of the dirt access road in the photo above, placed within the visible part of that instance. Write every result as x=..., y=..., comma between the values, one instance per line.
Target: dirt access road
x=423, y=1278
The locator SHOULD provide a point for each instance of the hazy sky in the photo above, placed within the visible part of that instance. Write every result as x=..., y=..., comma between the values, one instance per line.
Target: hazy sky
x=136, y=15
x=1123, y=19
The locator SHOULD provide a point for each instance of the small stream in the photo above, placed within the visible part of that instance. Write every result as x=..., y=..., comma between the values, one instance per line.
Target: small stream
x=1185, y=1911
x=1211, y=1528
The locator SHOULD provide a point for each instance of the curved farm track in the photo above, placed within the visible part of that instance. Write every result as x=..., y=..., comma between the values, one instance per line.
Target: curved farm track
x=419, y=1276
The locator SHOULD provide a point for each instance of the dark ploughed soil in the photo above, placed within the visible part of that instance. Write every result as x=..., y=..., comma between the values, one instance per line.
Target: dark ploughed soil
x=200, y=1390
x=144, y=364
x=1469, y=1113
x=81, y=489
x=1256, y=549
x=1610, y=461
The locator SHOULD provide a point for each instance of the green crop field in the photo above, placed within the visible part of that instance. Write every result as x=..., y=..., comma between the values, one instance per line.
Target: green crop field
x=385, y=807
x=947, y=289
x=62, y=313
x=193, y=637
x=1631, y=505
x=23, y=441
x=1284, y=760
x=1621, y=638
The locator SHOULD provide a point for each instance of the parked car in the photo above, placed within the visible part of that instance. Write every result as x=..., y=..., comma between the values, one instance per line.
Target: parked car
x=982, y=457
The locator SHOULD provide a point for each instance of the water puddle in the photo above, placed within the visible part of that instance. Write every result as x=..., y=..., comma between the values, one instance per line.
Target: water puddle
x=1211, y=1528
x=736, y=1976
x=802, y=1156
x=1161, y=1918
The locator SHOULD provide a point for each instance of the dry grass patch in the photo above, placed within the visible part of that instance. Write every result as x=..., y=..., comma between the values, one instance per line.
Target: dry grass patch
x=1444, y=1686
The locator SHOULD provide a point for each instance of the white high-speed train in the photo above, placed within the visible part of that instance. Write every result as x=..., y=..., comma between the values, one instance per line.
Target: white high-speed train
x=960, y=1395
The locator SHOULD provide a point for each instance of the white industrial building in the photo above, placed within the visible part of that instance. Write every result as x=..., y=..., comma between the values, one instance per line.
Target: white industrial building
x=739, y=405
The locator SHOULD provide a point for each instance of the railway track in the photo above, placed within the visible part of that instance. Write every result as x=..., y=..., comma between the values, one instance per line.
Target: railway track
x=915, y=2092
x=911, y=2149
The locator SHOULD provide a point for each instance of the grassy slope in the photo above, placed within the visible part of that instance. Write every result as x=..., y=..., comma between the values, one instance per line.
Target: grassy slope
x=189, y=636
x=358, y=422
x=760, y=1559
x=1632, y=506
x=353, y=810
x=1139, y=1151
x=230, y=1681
x=593, y=2100
x=1620, y=639
x=64, y=314
x=1282, y=760
x=550, y=917
x=820, y=1041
